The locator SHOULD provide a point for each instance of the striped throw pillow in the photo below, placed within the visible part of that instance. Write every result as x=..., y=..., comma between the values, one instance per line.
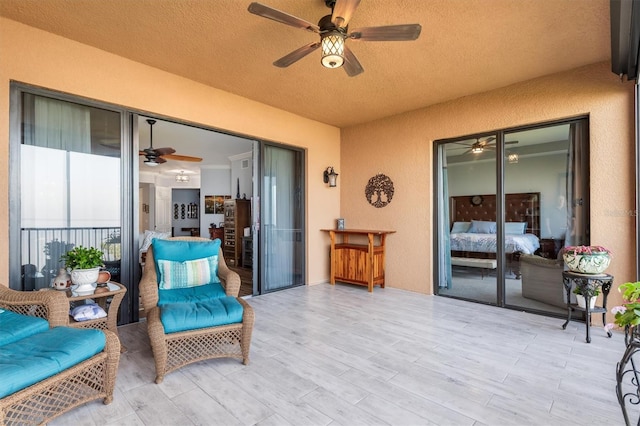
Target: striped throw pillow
x=190, y=273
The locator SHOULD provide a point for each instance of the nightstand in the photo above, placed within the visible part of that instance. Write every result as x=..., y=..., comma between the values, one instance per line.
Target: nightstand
x=549, y=247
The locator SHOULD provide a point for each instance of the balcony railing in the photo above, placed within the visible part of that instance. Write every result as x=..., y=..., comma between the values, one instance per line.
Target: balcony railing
x=42, y=249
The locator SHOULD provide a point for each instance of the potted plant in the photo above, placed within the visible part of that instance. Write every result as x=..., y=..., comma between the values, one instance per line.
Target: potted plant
x=628, y=315
x=581, y=293
x=587, y=259
x=84, y=264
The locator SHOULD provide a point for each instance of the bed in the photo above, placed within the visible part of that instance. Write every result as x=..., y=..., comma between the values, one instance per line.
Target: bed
x=473, y=226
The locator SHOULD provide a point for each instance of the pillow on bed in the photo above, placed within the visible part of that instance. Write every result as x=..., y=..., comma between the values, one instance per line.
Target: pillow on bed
x=460, y=227
x=515, y=227
x=482, y=227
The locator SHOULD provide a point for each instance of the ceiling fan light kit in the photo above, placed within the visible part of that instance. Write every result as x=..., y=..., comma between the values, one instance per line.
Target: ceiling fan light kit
x=333, y=31
x=332, y=49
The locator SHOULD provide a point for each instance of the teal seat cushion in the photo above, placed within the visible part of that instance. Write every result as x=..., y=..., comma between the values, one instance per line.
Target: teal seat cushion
x=183, y=251
x=14, y=327
x=39, y=356
x=200, y=293
x=177, y=317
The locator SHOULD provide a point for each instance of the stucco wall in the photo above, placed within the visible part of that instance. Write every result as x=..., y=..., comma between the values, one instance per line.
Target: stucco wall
x=401, y=147
x=39, y=58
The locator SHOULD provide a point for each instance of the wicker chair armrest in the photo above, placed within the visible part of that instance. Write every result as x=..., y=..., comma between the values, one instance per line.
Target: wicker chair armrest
x=229, y=279
x=149, y=282
x=50, y=305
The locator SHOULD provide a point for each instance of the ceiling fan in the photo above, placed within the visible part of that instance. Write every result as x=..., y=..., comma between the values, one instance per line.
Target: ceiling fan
x=479, y=146
x=161, y=155
x=333, y=31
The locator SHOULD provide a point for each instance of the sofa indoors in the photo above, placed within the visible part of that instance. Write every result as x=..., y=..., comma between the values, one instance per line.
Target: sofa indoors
x=47, y=368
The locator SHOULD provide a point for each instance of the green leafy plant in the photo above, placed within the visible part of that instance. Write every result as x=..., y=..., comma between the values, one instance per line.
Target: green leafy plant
x=82, y=258
x=587, y=291
x=629, y=313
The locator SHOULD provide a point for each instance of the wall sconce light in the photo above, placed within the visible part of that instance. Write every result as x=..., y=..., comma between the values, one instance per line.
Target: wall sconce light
x=330, y=176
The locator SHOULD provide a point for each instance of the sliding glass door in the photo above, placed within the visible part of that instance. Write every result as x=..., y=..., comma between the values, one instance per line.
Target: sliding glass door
x=67, y=181
x=505, y=215
x=282, y=218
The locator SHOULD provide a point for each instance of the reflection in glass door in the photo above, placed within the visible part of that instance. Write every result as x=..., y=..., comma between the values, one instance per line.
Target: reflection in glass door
x=70, y=187
x=467, y=219
x=281, y=219
x=505, y=211
x=548, y=167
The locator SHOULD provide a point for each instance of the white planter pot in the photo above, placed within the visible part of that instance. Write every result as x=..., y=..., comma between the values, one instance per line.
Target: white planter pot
x=583, y=303
x=84, y=280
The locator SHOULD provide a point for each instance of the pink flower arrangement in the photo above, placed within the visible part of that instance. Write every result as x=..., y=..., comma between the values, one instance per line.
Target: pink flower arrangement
x=586, y=250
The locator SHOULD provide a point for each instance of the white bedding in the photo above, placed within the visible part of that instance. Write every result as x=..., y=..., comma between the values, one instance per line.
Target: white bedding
x=486, y=243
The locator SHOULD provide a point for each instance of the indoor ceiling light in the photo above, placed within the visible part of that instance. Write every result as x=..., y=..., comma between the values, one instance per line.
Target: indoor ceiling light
x=476, y=148
x=150, y=163
x=513, y=158
x=332, y=49
x=182, y=177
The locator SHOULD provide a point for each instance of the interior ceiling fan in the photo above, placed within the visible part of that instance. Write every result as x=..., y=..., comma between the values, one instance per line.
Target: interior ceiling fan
x=480, y=145
x=333, y=31
x=161, y=155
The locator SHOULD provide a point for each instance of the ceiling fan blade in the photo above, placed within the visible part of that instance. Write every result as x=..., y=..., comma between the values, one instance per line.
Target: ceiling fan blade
x=351, y=64
x=489, y=139
x=387, y=33
x=181, y=157
x=510, y=142
x=296, y=55
x=342, y=11
x=282, y=17
x=164, y=151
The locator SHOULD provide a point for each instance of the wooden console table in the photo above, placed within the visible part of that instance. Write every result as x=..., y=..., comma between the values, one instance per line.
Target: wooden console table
x=357, y=263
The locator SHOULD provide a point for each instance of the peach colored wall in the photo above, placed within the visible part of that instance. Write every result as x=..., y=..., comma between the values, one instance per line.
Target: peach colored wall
x=401, y=147
x=39, y=58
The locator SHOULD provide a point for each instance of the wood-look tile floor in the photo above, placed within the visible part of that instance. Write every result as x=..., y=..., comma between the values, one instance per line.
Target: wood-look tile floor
x=338, y=355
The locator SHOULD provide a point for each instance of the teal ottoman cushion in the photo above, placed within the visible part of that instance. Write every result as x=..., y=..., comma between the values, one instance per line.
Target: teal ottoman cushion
x=14, y=327
x=177, y=317
x=39, y=356
x=200, y=293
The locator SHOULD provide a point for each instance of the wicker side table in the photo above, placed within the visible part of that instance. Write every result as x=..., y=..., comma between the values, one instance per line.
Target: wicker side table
x=109, y=301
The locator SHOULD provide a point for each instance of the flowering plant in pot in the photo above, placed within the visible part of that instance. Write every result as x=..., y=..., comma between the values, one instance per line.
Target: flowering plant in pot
x=627, y=315
x=587, y=259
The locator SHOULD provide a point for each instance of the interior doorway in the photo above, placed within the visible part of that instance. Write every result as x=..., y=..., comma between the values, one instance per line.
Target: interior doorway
x=188, y=191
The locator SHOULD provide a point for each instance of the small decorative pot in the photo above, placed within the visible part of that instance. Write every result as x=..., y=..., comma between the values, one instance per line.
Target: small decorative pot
x=585, y=263
x=62, y=281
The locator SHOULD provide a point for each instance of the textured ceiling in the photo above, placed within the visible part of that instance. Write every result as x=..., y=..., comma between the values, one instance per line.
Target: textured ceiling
x=466, y=47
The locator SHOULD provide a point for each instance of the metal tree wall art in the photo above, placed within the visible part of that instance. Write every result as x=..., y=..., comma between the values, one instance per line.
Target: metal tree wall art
x=379, y=190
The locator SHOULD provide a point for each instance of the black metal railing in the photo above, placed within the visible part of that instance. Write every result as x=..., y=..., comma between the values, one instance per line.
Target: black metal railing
x=42, y=248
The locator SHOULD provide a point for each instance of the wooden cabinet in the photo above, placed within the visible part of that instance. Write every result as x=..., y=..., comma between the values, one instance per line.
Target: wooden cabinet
x=247, y=252
x=216, y=233
x=358, y=262
x=237, y=216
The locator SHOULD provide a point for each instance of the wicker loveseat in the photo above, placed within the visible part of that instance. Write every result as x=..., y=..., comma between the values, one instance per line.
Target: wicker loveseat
x=46, y=368
x=193, y=323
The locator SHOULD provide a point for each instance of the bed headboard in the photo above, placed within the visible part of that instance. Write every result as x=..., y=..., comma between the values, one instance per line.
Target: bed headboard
x=520, y=207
